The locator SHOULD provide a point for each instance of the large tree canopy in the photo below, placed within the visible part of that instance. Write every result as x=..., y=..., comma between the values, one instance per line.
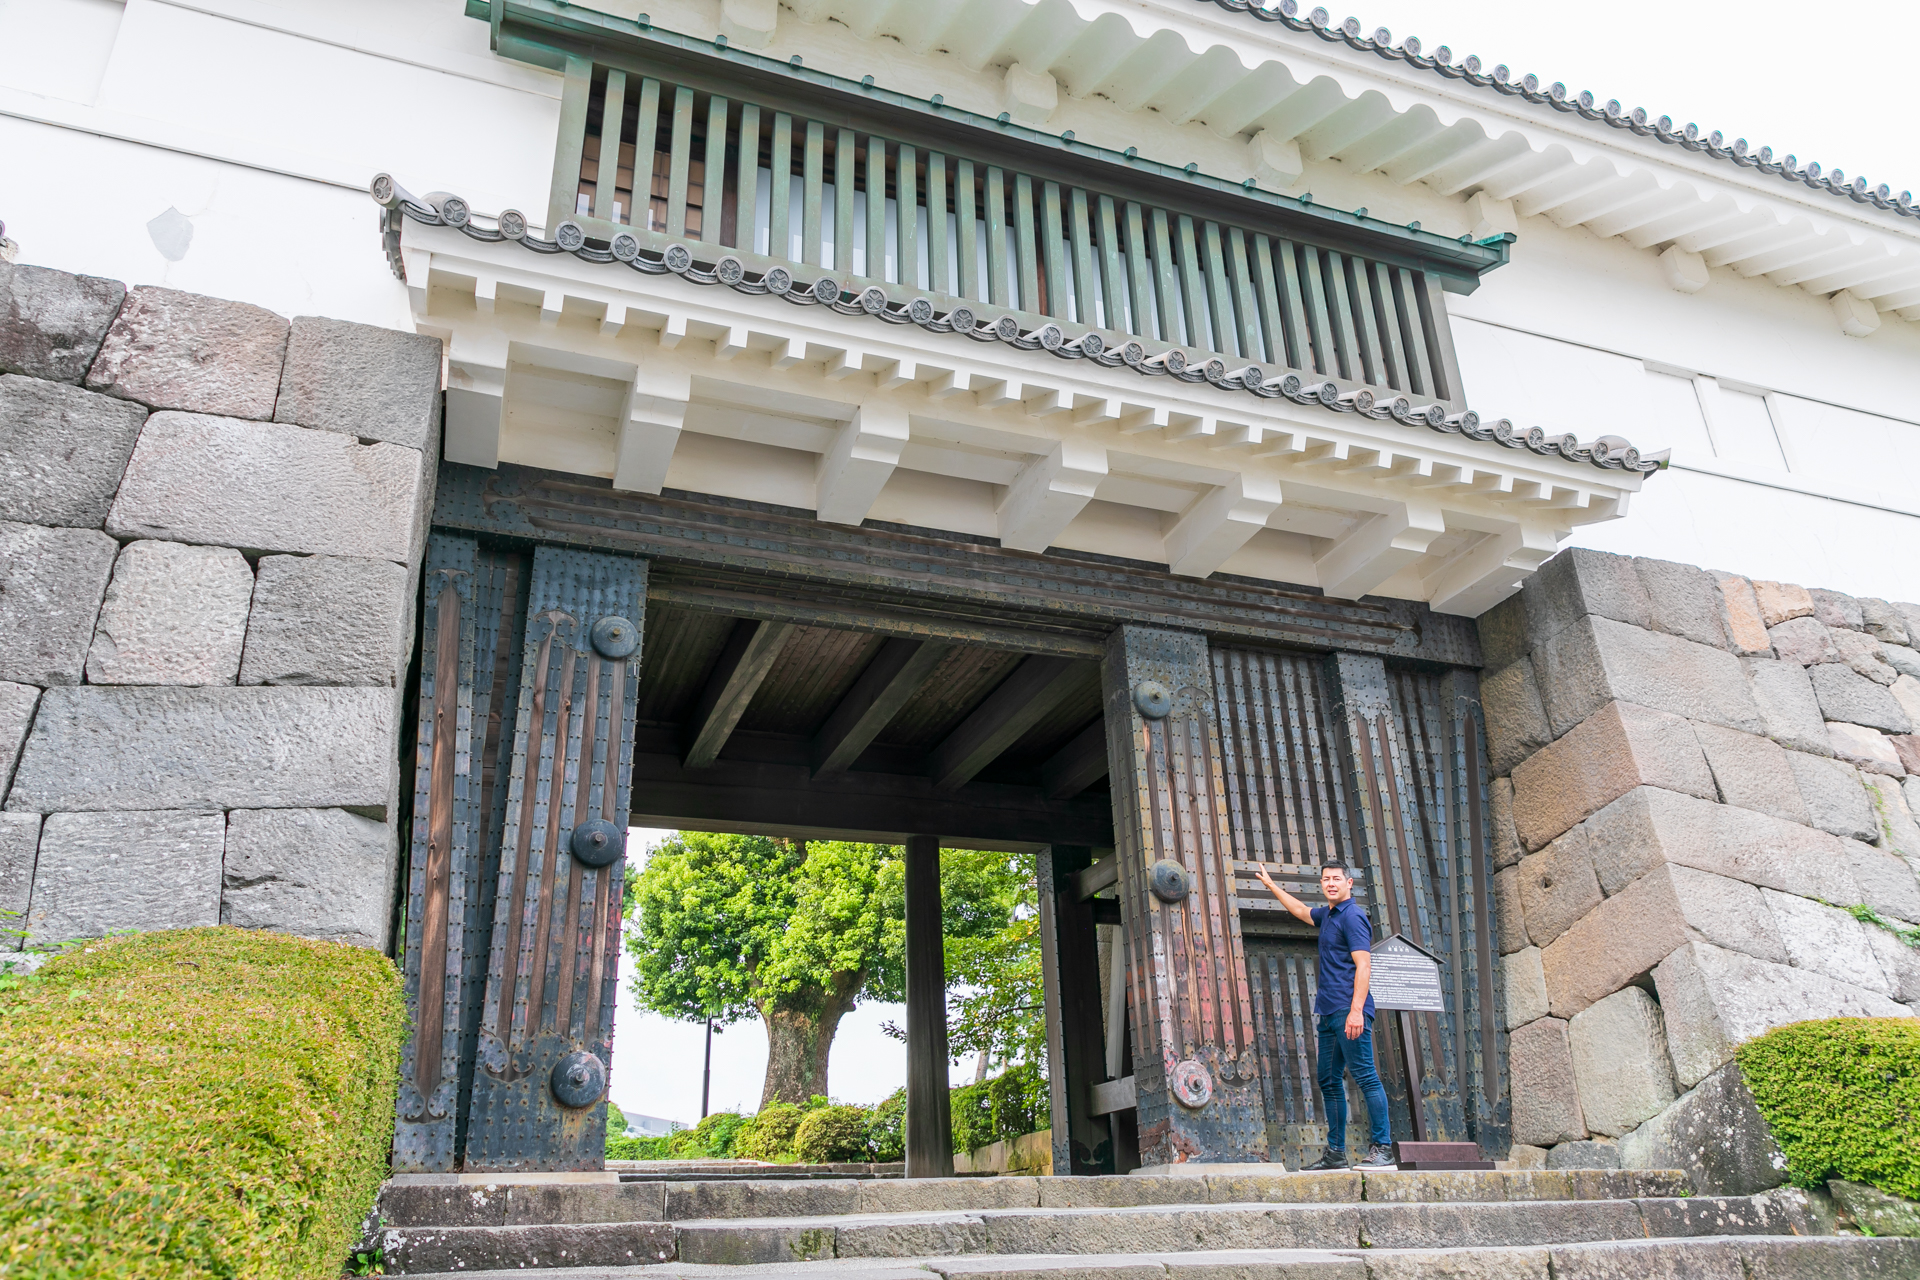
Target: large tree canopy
x=730, y=926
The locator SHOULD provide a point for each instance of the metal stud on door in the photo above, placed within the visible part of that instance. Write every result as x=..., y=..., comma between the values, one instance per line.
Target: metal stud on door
x=546, y=1032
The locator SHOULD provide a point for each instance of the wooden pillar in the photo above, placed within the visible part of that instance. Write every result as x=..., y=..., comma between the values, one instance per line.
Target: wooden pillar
x=433, y=964
x=545, y=1040
x=929, y=1121
x=1196, y=1063
x=1070, y=978
x=1483, y=1047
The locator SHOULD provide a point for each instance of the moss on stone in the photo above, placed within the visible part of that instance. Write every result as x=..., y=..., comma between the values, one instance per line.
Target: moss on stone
x=210, y=1102
x=1842, y=1096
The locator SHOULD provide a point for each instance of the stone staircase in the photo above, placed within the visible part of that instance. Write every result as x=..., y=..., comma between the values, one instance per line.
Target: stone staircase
x=1535, y=1225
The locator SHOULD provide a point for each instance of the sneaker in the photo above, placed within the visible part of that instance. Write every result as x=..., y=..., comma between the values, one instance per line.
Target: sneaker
x=1334, y=1158
x=1379, y=1156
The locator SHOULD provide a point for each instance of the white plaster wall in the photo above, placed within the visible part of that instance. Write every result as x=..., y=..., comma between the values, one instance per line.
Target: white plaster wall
x=1796, y=449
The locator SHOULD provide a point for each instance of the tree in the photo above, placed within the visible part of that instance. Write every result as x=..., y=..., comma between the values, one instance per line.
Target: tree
x=793, y=932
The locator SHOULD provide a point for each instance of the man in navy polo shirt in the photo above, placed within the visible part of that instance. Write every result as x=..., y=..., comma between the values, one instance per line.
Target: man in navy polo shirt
x=1343, y=1013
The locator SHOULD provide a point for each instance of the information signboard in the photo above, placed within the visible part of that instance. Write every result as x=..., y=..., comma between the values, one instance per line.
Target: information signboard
x=1406, y=976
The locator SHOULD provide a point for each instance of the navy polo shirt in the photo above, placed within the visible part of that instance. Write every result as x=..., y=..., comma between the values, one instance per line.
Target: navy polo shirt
x=1343, y=931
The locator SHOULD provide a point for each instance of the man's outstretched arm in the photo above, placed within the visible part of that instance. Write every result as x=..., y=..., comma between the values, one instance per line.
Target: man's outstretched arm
x=1295, y=908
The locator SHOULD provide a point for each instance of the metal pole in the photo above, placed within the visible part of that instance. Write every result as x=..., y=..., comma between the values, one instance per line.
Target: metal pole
x=706, y=1075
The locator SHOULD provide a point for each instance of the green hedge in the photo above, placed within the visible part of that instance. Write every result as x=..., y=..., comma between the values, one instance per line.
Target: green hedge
x=1013, y=1103
x=1842, y=1096
x=195, y=1103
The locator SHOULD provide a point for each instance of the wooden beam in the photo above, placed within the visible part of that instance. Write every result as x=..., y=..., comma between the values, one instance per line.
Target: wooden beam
x=893, y=676
x=1078, y=765
x=1070, y=978
x=929, y=1122
x=1023, y=699
x=1103, y=874
x=744, y=663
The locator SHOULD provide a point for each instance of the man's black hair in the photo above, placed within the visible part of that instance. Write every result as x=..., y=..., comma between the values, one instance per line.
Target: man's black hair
x=1341, y=867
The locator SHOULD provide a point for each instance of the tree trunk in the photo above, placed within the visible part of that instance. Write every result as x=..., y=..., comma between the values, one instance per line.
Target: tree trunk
x=800, y=1030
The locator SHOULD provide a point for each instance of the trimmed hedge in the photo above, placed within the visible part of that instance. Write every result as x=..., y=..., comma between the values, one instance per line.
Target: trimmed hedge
x=832, y=1133
x=1011, y=1104
x=209, y=1102
x=1842, y=1096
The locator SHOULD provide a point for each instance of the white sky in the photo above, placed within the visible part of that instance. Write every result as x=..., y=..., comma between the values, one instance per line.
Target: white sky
x=1826, y=84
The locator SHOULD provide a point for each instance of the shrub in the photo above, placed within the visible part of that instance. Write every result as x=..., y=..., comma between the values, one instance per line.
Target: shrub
x=831, y=1133
x=712, y=1139
x=769, y=1135
x=638, y=1148
x=1842, y=1097
x=194, y=1103
x=1009, y=1105
x=887, y=1129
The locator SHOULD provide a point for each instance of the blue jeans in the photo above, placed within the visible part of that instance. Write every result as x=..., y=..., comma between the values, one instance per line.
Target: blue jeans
x=1339, y=1055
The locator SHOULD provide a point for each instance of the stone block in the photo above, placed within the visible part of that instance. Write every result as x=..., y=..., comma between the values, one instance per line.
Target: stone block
x=1906, y=748
x=1901, y=658
x=1618, y=748
x=1557, y=887
x=1837, y=609
x=1884, y=622
x=1587, y=1154
x=318, y=873
x=17, y=702
x=1507, y=850
x=1503, y=633
x=1509, y=921
x=1647, y=827
x=1751, y=772
x=1578, y=583
x=19, y=842
x=1596, y=660
x=1516, y=720
x=99, y=872
x=51, y=581
x=1780, y=1212
x=147, y=748
x=62, y=451
x=1546, y=1101
x=1865, y=655
x=1875, y=1210
x=51, y=323
x=327, y=620
x=1740, y=615
x=1716, y=1133
x=1523, y=987
x=1784, y=696
x=1869, y=749
x=173, y=350
x=1805, y=641
x=362, y=381
x=1623, y=939
x=268, y=487
x=1780, y=601
x=1683, y=601
x=1715, y=1000
x=1897, y=829
x=174, y=614
x=1620, y=1063
x=1906, y=691
x=1522, y=1156
x=1898, y=961
x=1836, y=799
x=1826, y=940
x=1885, y=880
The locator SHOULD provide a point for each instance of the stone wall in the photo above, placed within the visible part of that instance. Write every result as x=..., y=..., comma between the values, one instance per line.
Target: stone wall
x=211, y=522
x=1695, y=774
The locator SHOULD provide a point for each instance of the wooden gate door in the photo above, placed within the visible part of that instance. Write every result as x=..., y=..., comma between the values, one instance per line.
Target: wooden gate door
x=545, y=1033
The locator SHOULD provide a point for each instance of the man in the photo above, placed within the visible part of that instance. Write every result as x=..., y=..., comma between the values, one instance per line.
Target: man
x=1343, y=1013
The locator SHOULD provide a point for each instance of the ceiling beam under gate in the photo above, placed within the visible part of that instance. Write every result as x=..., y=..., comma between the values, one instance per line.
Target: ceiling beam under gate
x=892, y=678
x=748, y=657
x=1035, y=688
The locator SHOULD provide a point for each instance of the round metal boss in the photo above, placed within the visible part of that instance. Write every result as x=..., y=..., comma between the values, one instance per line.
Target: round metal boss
x=615, y=637
x=1152, y=700
x=597, y=843
x=578, y=1080
x=1192, y=1085
x=1168, y=880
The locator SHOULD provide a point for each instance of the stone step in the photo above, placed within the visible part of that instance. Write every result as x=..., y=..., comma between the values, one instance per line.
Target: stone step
x=462, y=1201
x=1169, y=1228
x=1748, y=1257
